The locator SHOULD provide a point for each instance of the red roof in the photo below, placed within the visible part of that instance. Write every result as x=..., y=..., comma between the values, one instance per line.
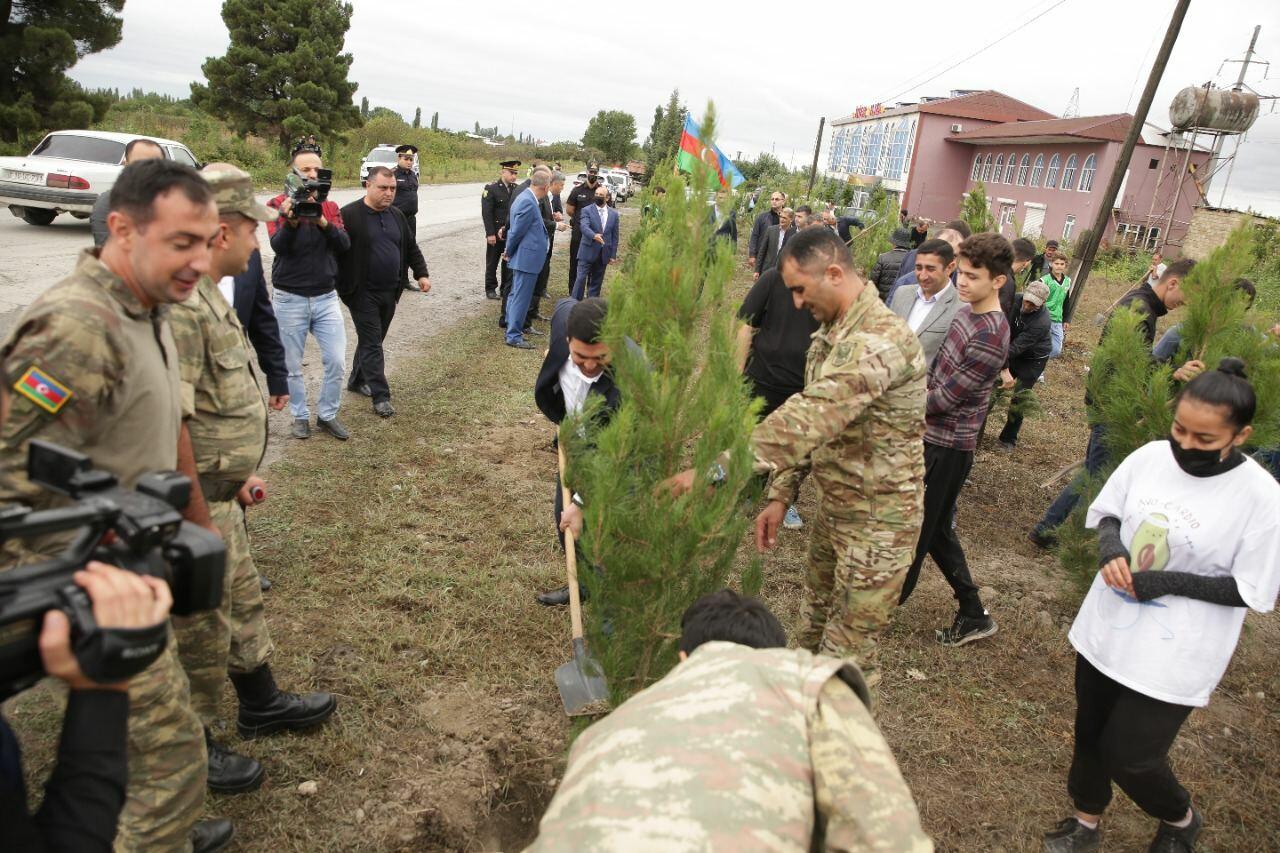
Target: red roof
x=1108, y=128
x=987, y=106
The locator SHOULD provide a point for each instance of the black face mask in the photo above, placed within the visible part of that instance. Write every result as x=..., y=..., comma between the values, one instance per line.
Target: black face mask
x=1204, y=463
x=600, y=202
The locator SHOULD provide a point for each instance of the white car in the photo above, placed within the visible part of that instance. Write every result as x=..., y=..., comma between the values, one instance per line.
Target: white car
x=67, y=171
x=609, y=188
x=382, y=155
x=622, y=179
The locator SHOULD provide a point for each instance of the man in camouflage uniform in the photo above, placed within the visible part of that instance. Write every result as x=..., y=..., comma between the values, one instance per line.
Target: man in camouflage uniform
x=745, y=745
x=99, y=374
x=858, y=425
x=226, y=416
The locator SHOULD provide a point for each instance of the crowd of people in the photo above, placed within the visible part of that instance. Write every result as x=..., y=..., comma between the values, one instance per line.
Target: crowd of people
x=878, y=386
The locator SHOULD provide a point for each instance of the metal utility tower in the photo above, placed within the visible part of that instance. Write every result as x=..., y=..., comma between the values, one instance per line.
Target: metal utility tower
x=1073, y=105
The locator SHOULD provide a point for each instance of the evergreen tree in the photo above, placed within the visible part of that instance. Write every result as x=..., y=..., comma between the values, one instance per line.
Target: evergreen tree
x=417, y=118
x=683, y=404
x=976, y=211
x=613, y=132
x=435, y=121
x=477, y=127
x=873, y=241
x=364, y=108
x=653, y=131
x=284, y=73
x=666, y=142
x=39, y=41
x=1132, y=397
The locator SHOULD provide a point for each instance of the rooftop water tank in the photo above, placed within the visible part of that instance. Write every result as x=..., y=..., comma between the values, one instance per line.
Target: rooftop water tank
x=1213, y=109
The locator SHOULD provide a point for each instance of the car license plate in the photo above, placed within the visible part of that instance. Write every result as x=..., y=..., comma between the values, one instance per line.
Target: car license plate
x=24, y=177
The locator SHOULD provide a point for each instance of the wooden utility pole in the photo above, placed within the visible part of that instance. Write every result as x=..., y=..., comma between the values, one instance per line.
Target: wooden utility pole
x=817, y=146
x=1102, y=219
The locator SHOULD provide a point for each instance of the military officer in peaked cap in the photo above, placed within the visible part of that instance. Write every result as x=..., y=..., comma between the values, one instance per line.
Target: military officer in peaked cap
x=495, y=202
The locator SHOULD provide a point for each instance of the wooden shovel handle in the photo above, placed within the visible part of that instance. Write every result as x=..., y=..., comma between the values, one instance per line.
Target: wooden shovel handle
x=570, y=555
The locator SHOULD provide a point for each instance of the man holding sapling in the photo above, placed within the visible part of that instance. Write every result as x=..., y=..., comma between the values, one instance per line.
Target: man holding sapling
x=857, y=424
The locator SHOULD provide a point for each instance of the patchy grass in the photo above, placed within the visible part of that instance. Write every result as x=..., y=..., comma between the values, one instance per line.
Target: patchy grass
x=406, y=561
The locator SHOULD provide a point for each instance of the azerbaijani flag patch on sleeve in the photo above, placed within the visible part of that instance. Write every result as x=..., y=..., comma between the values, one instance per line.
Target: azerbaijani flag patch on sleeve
x=43, y=390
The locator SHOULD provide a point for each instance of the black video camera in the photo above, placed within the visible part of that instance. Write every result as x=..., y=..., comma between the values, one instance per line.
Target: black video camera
x=300, y=189
x=140, y=530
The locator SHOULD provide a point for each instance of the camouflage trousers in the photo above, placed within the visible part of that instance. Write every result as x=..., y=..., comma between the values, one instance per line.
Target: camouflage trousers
x=855, y=574
x=167, y=762
x=234, y=636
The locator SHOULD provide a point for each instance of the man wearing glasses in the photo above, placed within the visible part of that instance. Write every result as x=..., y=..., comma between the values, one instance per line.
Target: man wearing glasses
x=765, y=221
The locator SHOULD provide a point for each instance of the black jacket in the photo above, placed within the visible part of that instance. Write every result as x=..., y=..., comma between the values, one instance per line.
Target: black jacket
x=767, y=250
x=546, y=389
x=253, y=306
x=1142, y=298
x=306, y=254
x=353, y=265
x=885, y=272
x=495, y=203
x=1029, y=342
x=763, y=222
x=406, y=199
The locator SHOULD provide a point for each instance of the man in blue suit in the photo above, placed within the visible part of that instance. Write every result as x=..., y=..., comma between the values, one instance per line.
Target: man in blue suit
x=599, y=247
x=526, y=252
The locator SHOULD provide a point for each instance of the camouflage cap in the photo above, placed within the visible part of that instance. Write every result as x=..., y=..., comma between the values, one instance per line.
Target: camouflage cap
x=233, y=192
x=1037, y=293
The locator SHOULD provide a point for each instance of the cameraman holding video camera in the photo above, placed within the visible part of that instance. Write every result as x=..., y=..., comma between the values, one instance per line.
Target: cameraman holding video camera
x=94, y=368
x=85, y=793
x=307, y=239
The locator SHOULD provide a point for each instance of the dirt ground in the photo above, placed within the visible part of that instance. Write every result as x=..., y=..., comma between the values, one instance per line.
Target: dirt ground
x=406, y=561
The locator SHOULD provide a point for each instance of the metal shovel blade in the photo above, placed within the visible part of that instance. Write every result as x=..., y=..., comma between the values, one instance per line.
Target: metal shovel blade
x=581, y=683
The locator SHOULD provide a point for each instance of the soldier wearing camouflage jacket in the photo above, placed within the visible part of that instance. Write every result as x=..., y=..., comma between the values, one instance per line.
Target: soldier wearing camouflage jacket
x=857, y=426
x=737, y=748
x=225, y=411
x=98, y=374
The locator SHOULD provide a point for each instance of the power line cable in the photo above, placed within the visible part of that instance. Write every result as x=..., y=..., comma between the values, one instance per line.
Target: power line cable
x=977, y=52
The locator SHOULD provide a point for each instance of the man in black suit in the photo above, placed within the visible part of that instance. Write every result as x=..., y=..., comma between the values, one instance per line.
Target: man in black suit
x=770, y=246
x=576, y=367
x=725, y=219
x=371, y=277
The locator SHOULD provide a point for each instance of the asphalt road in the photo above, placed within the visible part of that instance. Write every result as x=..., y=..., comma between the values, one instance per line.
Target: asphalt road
x=34, y=257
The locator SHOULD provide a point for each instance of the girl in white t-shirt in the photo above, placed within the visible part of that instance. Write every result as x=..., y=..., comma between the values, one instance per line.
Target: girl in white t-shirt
x=1188, y=537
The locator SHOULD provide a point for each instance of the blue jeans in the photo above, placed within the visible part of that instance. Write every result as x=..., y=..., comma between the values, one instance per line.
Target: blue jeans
x=590, y=278
x=1056, y=336
x=322, y=317
x=1095, y=458
x=522, y=287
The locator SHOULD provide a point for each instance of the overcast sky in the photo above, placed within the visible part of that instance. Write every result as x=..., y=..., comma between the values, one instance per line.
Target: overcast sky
x=772, y=69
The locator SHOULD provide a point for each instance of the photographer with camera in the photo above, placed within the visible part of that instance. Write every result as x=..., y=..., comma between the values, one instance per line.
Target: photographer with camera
x=97, y=372
x=226, y=416
x=86, y=790
x=307, y=239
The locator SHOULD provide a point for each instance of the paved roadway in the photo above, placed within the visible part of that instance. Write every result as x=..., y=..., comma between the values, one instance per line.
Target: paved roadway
x=34, y=257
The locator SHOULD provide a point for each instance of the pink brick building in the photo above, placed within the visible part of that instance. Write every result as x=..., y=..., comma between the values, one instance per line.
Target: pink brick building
x=1044, y=176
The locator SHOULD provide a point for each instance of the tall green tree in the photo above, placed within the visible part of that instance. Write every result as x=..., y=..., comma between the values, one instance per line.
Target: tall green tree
x=613, y=132
x=435, y=121
x=39, y=41
x=417, y=118
x=976, y=210
x=653, y=130
x=364, y=108
x=284, y=73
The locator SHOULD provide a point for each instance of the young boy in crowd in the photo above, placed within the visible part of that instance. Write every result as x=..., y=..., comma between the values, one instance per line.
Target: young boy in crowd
x=960, y=382
x=1059, y=289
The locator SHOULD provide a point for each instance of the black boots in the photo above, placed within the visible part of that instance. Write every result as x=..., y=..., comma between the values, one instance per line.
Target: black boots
x=209, y=836
x=265, y=708
x=230, y=773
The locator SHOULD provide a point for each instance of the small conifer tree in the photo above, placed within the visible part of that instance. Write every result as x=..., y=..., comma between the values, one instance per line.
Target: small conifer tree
x=976, y=210
x=670, y=328
x=1132, y=397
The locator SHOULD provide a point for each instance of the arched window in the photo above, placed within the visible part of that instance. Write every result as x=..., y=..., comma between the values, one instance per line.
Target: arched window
x=1023, y=168
x=1086, y=173
x=1051, y=179
x=873, y=150
x=1037, y=170
x=986, y=169
x=1069, y=172
x=1009, y=169
x=995, y=174
x=977, y=167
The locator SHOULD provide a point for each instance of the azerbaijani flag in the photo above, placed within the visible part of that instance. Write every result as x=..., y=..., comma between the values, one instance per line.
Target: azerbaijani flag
x=692, y=148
